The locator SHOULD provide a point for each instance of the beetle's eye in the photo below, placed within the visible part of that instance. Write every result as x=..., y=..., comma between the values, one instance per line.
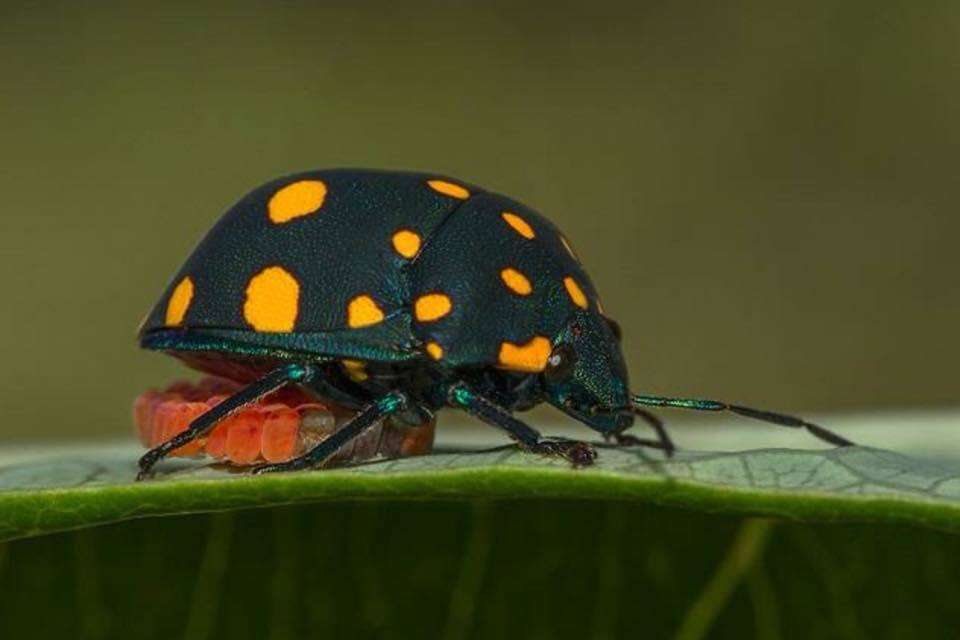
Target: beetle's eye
x=615, y=328
x=560, y=363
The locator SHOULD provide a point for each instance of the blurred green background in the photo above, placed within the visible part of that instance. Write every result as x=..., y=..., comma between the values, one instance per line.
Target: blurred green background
x=764, y=191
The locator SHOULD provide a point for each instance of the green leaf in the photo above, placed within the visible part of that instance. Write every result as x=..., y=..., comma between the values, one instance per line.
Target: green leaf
x=495, y=544
x=50, y=490
x=480, y=569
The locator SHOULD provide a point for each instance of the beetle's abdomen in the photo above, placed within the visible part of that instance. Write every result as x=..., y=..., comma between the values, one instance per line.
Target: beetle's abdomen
x=315, y=252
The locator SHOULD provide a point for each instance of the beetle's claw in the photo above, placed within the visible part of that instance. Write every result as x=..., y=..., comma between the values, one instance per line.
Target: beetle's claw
x=146, y=463
x=580, y=454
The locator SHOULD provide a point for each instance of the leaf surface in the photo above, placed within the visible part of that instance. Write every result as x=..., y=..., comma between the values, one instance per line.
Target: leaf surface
x=51, y=489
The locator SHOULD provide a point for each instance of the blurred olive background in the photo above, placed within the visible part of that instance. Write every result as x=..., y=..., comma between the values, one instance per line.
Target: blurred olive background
x=765, y=191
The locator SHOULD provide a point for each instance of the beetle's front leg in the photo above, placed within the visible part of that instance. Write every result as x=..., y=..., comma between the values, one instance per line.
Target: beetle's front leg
x=580, y=454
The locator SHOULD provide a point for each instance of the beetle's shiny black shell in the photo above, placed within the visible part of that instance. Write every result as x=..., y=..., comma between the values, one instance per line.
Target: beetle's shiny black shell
x=345, y=249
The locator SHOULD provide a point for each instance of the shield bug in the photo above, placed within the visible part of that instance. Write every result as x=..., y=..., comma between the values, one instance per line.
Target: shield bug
x=395, y=295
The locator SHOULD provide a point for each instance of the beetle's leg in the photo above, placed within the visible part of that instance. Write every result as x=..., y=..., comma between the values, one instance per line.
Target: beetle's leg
x=251, y=393
x=663, y=440
x=462, y=397
x=367, y=417
x=756, y=414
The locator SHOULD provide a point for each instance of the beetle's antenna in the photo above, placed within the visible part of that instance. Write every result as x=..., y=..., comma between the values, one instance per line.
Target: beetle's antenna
x=756, y=414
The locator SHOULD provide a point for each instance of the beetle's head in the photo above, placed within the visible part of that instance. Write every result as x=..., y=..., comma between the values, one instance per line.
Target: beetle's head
x=586, y=376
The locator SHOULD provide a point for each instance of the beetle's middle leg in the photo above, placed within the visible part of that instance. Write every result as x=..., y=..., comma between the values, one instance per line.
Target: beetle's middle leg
x=463, y=397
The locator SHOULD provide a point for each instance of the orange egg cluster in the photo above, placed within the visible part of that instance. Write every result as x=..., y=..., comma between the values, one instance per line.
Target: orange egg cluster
x=280, y=427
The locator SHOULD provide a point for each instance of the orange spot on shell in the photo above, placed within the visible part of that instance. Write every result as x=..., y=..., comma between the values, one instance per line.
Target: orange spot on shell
x=363, y=311
x=530, y=357
x=356, y=370
x=519, y=225
x=273, y=301
x=516, y=281
x=432, y=306
x=575, y=292
x=296, y=200
x=449, y=189
x=179, y=302
x=435, y=350
x=406, y=243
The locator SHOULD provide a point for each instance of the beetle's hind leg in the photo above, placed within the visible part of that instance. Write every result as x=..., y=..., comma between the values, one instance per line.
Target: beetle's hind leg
x=580, y=454
x=663, y=440
x=291, y=373
x=757, y=414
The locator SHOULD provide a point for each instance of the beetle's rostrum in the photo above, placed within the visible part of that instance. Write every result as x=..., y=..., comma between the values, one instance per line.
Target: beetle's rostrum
x=396, y=295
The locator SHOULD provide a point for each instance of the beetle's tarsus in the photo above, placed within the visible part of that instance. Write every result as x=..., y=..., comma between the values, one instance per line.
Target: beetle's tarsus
x=627, y=440
x=146, y=463
x=579, y=454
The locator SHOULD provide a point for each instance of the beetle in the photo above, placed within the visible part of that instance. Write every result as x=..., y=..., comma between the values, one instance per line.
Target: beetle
x=397, y=294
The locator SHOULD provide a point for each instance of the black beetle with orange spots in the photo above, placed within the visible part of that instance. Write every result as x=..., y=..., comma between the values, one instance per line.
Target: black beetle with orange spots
x=396, y=295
